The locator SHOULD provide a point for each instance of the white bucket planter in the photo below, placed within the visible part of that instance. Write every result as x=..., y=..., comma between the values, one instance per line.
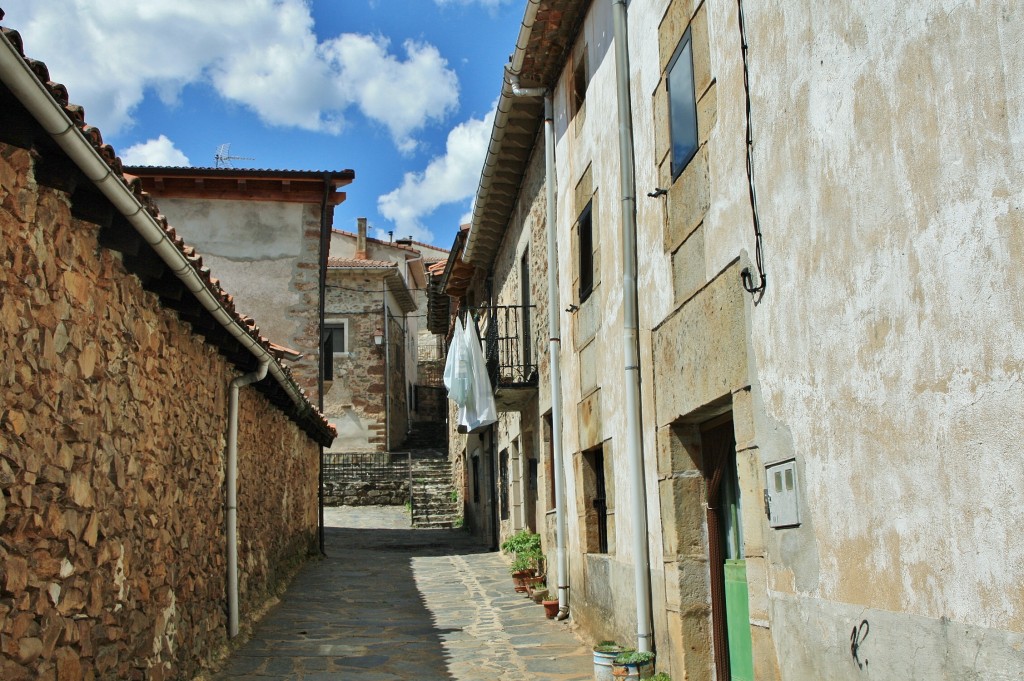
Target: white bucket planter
x=632, y=671
x=603, y=664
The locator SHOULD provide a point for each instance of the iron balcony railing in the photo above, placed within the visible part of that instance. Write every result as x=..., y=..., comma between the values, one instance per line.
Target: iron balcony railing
x=508, y=346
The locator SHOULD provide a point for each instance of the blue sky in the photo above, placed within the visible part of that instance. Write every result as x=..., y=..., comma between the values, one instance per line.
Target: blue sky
x=401, y=91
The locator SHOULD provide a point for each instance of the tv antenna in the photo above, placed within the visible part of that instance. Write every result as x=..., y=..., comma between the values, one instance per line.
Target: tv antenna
x=223, y=157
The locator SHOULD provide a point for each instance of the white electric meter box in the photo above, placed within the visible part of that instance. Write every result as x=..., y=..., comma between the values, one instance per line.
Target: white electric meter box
x=782, y=501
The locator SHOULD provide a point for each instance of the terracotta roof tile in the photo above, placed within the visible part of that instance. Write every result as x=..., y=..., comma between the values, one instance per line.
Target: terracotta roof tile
x=355, y=263
x=319, y=427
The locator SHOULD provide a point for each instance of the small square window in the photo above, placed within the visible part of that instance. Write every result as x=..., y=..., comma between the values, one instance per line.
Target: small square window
x=682, y=105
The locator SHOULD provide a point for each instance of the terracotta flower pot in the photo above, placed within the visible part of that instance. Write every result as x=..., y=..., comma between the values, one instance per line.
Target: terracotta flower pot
x=550, y=608
x=519, y=580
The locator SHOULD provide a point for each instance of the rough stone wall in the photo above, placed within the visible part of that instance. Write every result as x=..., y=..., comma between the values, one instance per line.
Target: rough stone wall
x=278, y=501
x=397, y=396
x=431, y=403
x=112, y=437
x=365, y=479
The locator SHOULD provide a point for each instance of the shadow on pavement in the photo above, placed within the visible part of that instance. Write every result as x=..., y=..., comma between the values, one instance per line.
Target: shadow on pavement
x=358, y=613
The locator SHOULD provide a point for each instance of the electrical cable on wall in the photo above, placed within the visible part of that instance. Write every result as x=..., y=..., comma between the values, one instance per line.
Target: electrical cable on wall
x=747, y=276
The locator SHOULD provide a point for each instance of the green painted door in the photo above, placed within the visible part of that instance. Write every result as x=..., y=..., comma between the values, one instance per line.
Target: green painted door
x=737, y=617
x=737, y=608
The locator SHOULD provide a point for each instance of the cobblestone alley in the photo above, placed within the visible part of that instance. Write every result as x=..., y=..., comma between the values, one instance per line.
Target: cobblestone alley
x=391, y=603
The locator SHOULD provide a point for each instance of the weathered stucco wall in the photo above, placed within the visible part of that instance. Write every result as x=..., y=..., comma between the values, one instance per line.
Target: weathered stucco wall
x=112, y=437
x=267, y=254
x=890, y=348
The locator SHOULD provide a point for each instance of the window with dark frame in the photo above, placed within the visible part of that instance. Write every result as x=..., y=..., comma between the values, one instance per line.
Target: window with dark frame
x=586, y=236
x=580, y=81
x=682, y=105
x=334, y=341
x=596, y=521
x=503, y=484
x=549, y=471
x=476, y=479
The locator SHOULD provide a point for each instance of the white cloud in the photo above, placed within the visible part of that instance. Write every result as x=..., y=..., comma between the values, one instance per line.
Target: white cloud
x=403, y=95
x=262, y=54
x=155, y=152
x=449, y=178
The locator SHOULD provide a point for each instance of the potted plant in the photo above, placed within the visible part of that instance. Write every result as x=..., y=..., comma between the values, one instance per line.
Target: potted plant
x=604, y=653
x=520, y=569
x=533, y=583
x=633, y=664
x=550, y=604
x=539, y=594
x=526, y=547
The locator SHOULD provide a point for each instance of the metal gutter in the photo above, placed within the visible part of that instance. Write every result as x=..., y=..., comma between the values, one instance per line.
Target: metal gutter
x=631, y=350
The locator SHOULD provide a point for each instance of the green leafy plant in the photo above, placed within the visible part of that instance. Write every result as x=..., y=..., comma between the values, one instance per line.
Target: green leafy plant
x=453, y=496
x=634, y=657
x=661, y=676
x=520, y=564
x=459, y=522
x=408, y=507
x=521, y=542
x=608, y=647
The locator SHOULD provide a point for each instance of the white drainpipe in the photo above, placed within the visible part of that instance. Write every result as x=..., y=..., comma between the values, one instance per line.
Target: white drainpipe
x=554, y=322
x=232, y=484
x=512, y=89
x=634, y=439
x=554, y=350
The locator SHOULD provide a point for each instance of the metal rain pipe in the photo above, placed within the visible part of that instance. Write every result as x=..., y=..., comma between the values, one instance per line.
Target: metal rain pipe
x=554, y=350
x=634, y=440
x=232, y=485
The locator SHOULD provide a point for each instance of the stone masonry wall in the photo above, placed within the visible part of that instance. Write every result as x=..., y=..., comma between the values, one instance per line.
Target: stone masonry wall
x=360, y=479
x=112, y=437
x=354, y=400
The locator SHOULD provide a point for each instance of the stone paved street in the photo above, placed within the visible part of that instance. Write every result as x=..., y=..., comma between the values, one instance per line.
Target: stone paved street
x=391, y=603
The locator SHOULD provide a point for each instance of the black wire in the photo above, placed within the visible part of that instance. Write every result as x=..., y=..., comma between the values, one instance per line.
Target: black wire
x=758, y=255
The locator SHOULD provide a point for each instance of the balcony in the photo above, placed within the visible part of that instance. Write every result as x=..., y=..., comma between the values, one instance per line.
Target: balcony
x=511, y=361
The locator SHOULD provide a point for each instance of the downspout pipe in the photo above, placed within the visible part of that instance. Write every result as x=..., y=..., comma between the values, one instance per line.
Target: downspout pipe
x=554, y=352
x=232, y=485
x=554, y=334
x=634, y=439
x=326, y=219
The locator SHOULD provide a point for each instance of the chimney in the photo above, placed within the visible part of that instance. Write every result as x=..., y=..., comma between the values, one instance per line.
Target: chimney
x=361, y=239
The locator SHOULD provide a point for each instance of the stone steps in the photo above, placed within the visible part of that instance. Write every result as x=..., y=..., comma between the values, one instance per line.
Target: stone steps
x=432, y=504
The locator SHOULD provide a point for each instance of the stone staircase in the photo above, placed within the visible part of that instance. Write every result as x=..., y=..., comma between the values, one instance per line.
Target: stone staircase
x=434, y=503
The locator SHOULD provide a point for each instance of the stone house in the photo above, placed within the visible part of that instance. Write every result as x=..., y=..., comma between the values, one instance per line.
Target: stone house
x=150, y=503
x=267, y=235
x=376, y=298
x=786, y=372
